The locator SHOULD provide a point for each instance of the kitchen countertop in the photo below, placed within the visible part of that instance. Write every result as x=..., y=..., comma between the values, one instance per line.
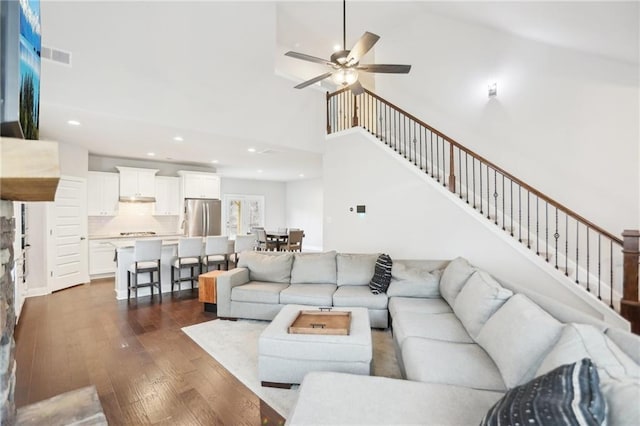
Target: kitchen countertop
x=132, y=237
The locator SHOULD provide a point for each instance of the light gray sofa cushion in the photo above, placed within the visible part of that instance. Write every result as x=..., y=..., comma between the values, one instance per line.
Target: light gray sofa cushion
x=619, y=374
x=267, y=267
x=517, y=337
x=445, y=327
x=480, y=297
x=359, y=295
x=454, y=277
x=355, y=268
x=342, y=399
x=413, y=304
x=409, y=281
x=258, y=292
x=314, y=268
x=308, y=294
x=461, y=364
x=629, y=343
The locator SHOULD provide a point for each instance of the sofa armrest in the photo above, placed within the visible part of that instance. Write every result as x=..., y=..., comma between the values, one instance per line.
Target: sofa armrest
x=224, y=285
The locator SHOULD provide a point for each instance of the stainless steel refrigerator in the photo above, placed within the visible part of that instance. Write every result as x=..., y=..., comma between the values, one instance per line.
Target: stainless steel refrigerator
x=202, y=217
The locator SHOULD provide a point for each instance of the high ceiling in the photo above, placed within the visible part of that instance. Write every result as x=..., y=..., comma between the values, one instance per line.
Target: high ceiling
x=213, y=73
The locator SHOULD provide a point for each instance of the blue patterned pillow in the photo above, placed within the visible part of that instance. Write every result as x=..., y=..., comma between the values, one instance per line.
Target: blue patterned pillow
x=382, y=275
x=568, y=395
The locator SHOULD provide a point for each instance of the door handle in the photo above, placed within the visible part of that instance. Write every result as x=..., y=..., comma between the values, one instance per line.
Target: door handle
x=82, y=238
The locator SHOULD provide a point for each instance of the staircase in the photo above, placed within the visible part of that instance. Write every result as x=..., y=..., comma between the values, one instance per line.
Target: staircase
x=587, y=255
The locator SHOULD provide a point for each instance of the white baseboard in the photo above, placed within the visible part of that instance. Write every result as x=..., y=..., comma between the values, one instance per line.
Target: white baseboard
x=38, y=291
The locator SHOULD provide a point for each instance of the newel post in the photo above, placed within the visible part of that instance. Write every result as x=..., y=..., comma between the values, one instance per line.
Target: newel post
x=452, y=176
x=328, y=119
x=354, y=121
x=630, y=303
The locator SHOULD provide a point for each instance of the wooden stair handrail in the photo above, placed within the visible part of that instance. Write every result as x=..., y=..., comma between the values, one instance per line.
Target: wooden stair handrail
x=497, y=168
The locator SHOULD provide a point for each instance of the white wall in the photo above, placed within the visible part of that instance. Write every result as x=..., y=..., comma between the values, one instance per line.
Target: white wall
x=565, y=122
x=275, y=195
x=408, y=216
x=304, y=210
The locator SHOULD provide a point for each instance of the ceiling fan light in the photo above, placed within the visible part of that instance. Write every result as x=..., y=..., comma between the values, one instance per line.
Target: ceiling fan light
x=345, y=76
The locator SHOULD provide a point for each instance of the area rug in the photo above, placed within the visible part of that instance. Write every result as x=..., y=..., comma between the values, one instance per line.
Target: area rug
x=234, y=344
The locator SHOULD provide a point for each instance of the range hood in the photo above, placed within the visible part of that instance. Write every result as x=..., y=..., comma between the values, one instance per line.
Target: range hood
x=137, y=199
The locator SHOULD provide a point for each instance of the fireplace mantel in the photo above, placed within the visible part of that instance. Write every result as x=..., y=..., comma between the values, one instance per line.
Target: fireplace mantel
x=29, y=170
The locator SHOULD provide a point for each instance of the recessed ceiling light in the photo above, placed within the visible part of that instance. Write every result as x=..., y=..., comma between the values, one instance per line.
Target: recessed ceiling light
x=73, y=123
x=214, y=161
x=301, y=175
x=259, y=170
x=251, y=150
x=178, y=138
x=337, y=48
x=151, y=154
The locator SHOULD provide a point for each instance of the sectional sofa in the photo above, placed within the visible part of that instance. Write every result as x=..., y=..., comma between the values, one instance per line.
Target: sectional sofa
x=465, y=342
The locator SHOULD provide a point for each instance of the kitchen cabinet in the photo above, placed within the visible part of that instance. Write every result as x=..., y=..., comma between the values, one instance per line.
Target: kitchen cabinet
x=102, y=197
x=101, y=258
x=137, y=183
x=167, y=196
x=200, y=185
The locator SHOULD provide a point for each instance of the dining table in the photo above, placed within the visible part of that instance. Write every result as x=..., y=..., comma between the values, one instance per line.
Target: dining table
x=278, y=237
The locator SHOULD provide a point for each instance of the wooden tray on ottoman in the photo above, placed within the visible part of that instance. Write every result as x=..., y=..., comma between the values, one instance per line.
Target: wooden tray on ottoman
x=322, y=321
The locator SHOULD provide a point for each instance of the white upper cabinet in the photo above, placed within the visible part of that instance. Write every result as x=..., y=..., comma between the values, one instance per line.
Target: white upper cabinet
x=200, y=185
x=137, y=183
x=102, y=194
x=167, y=196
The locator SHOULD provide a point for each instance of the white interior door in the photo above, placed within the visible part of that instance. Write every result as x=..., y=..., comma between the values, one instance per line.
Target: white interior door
x=67, y=246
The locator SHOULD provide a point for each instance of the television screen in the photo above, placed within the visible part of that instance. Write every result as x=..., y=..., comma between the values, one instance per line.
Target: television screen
x=30, y=45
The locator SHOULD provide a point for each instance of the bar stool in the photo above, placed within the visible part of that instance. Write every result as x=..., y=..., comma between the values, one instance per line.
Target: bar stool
x=244, y=243
x=216, y=252
x=146, y=258
x=189, y=252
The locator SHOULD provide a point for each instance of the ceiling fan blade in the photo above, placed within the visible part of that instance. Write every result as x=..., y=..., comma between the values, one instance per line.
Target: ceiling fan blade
x=362, y=46
x=385, y=68
x=308, y=58
x=356, y=88
x=313, y=80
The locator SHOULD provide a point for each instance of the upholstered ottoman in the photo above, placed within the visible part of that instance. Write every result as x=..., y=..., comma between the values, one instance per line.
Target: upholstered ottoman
x=284, y=359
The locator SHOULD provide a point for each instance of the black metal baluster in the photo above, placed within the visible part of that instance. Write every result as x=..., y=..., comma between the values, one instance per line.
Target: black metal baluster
x=495, y=195
x=546, y=231
x=577, y=250
x=519, y=213
x=444, y=164
x=538, y=226
x=511, y=201
x=556, y=235
x=566, y=245
x=528, y=219
x=431, y=143
x=599, y=261
x=438, y=157
x=504, y=228
x=421, y=132
x=480, y=176
x=473, y=170
x=415, y=142
x=466, y=174
x=611, y=274
x=460, y=170
x=488, y=197
x=588, y=259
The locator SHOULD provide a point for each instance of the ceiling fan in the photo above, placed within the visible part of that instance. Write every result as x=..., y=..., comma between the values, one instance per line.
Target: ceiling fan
x=345, y=64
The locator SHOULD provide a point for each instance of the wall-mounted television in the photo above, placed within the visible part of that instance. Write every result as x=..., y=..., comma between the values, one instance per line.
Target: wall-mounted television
x=20, y=45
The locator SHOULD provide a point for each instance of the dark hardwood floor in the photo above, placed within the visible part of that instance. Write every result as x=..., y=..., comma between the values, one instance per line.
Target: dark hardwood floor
x=146, y=370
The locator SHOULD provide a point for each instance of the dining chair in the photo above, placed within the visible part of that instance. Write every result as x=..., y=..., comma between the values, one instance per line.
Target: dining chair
x=216, y=252
x=189, y=252
x=264, y=243
x=146, y=259
x=244, y=243
x=294, y=242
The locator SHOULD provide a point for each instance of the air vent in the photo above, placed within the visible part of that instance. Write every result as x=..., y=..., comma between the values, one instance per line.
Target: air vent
x=56, y=55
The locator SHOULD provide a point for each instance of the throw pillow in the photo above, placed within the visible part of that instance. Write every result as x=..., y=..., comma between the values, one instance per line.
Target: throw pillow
x=454, y=277
x=568, y=395
x=480, y=297
x=355, y=269
x=267, y=267
x=314, y=268
x=382, y=275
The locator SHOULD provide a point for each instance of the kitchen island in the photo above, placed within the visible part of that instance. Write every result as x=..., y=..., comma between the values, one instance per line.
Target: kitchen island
x=124, y=256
